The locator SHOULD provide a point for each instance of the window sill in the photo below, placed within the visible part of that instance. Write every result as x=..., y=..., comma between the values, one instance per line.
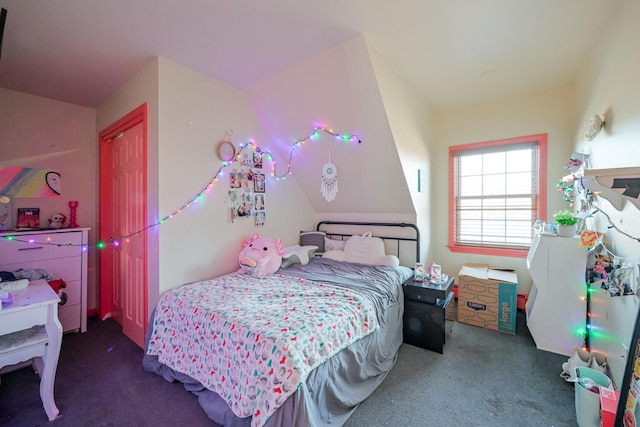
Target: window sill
x=512, y=253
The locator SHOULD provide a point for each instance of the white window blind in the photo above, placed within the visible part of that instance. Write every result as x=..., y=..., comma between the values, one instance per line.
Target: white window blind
x=496, y=195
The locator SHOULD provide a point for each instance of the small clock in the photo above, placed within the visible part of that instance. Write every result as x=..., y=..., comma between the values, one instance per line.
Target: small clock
x=226, y=151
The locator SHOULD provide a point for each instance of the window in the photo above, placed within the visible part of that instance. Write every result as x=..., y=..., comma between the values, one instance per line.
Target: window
x=497, y=190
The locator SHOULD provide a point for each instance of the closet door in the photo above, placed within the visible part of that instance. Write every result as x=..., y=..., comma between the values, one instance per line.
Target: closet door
x=123, y=216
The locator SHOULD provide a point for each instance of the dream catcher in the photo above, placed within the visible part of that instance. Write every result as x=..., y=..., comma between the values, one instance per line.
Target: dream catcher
x=329, y=184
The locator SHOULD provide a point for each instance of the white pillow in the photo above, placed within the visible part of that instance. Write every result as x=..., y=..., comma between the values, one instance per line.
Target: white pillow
x=333, y=244
x=363, y=249
x=388, y=260
x=336, y=254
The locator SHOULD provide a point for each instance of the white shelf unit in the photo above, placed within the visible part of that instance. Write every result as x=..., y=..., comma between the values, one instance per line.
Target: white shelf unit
x=61, y=253
x=557, y=309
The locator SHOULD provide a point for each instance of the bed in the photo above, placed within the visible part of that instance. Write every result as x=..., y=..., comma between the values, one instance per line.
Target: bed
x=303, y=346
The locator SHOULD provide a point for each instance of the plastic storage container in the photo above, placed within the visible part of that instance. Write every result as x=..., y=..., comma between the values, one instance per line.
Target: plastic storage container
x=587, y=401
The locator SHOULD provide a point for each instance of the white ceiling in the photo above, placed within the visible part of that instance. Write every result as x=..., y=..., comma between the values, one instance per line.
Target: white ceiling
x=454, y=52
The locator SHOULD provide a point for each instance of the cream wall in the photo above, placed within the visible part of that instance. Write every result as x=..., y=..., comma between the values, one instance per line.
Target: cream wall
x=411, y=126
x=610, y=84
x=189, y=114
x=336, y=89
x=549, y=112
x=39, y=132
x=194, y=113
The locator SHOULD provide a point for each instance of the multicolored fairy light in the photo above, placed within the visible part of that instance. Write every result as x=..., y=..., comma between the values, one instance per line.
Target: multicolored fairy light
x=116, y=241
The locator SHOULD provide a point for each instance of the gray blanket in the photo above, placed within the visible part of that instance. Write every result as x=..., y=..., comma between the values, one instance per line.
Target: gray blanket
x=333, y=390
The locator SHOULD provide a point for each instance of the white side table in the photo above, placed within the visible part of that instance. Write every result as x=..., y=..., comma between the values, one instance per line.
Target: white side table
x=30, y=329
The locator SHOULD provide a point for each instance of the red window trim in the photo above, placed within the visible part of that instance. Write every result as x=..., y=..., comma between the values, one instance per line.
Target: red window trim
x=541, y=139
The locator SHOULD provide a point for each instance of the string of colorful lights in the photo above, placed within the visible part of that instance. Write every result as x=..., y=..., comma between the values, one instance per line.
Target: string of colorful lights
x=250, y=145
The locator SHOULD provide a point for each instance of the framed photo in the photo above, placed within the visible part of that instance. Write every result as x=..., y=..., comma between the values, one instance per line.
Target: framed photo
x=260, y=218
x=257, y=160
x=28, y=219
x=259, y=183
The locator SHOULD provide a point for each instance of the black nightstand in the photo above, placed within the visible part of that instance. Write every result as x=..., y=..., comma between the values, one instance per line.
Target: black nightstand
x=425, y=304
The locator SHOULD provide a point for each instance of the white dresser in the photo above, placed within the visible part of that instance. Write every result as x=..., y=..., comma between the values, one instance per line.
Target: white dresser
x=557, y=308
x=61, y=253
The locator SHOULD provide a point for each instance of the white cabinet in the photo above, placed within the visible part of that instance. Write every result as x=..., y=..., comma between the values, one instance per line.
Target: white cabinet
x=557, y=308
x=61, y=253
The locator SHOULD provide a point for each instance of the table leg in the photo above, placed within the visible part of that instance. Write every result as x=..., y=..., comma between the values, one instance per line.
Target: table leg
x=50, y=358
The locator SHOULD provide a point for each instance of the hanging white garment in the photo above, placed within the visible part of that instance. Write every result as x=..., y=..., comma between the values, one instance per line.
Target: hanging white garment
x=329, y=184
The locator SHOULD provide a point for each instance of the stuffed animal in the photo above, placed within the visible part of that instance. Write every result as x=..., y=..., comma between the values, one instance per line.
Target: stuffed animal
x=57, y=220
x=260, y=256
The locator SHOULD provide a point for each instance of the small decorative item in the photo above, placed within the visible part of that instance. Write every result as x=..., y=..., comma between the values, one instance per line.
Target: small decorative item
x=329, y=184
x=418, y=272
x=57, y=220
x=226, y=151
x=73, y=207
x=566, y=223
x=5, y=212
x=28, y=218
x=594, y=126
x=435, y=273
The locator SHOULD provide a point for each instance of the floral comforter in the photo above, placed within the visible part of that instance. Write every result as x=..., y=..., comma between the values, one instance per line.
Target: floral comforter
x=255, y=340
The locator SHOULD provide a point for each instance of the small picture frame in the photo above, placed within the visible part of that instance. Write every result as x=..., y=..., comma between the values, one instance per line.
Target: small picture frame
x=28, y=219
x=259, y=183
x=257, y=160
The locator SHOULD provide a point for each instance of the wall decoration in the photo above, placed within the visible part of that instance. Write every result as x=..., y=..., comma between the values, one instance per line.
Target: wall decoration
x=260, y=219
x=226, y=149
x=258, y=202
x=257, y=160
x=259, y=185
x=19, y=182
x=5, y=213
x=73, y=212
x=594, y=125
x=616, y=185
x=619, y=282
x=28, y=219
x=329, y=182
x=257, y=152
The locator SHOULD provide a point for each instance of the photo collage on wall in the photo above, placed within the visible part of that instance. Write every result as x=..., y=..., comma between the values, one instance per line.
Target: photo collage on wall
x=247, y=188
x=607, y=272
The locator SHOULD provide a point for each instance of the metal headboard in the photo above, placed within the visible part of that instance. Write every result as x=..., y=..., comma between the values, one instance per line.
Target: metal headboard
x=382, y=226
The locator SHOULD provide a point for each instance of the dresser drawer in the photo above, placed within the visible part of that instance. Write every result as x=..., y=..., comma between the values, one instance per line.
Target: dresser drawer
x=45, y=246
x=70, y=317
x=67, y=269
x=73, y=294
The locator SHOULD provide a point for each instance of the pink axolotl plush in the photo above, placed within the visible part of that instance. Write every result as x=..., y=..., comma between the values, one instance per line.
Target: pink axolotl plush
x=260, y=256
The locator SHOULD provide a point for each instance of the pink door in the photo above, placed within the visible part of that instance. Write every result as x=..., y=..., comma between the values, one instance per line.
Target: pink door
x=123, y=195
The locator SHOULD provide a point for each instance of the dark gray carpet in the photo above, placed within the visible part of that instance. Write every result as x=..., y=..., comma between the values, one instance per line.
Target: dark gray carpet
x=484, y=378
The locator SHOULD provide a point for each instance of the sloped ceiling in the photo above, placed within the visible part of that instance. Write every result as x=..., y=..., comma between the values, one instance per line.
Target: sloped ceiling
x=339, y=89
x=454, y=52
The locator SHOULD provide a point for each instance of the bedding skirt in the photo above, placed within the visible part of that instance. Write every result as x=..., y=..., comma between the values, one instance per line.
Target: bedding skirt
x=331, y=391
